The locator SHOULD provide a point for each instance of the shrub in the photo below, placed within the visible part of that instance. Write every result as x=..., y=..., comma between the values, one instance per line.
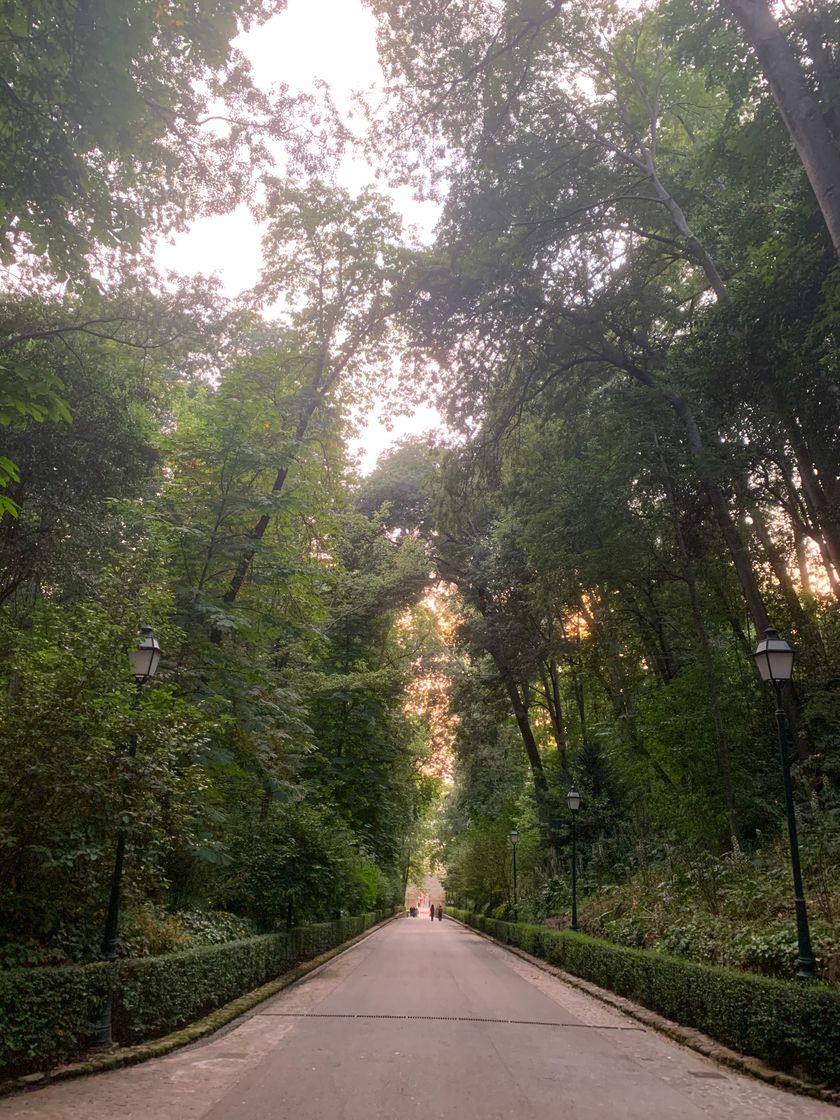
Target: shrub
x=46, y=1014
x=301, y=860
x=147, y=931
x=156, y=994
x=791, y=1026
x=625, y=931
x=770, y=952
x=215, y=927
x=692, y=939
x=773, y=952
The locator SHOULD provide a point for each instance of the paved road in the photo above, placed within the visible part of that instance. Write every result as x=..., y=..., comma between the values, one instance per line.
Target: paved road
x=424, y=1020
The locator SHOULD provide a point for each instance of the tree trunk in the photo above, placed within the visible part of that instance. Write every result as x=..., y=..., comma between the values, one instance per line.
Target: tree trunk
x=554, y=704
x=694, y=245
x=817, y=33
x=804, y=625
x=731, y=534
x=256, y=534
x=818, y=505
x=799, y=541
x=803, y=519
x=799, y=108
x=523, y=722
x=724, y=753
x=611, y=675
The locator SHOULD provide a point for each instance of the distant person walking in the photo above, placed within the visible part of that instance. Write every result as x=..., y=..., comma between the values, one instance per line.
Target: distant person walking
x=432, y=911
x=440, y=912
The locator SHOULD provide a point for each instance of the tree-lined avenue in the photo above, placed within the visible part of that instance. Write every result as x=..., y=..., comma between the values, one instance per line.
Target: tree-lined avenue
x=424, y=1018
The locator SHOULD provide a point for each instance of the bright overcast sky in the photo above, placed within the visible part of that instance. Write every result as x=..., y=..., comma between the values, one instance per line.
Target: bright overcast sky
x=333, y=41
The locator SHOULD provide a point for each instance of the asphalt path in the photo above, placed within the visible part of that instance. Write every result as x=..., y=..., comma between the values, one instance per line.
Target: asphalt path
x=424, y=1020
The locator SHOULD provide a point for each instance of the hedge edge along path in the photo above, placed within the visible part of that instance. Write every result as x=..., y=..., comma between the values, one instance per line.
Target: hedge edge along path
x=820, y=1031
x=220, y=1017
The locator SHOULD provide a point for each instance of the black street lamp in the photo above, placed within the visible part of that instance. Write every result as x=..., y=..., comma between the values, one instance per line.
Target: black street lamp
x=144, y=660
x=514, y=840
x=774, y=659
x=573, y=801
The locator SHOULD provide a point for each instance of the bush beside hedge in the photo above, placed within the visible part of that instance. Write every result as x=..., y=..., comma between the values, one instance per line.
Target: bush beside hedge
x=792, y=1027
x=46, y=1014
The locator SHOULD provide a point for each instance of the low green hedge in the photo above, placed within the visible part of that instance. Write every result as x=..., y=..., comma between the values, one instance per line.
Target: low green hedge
x=791, y=1026
x=46, y=1014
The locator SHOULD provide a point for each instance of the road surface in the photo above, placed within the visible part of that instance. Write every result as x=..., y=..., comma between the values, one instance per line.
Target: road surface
x=424, y=1020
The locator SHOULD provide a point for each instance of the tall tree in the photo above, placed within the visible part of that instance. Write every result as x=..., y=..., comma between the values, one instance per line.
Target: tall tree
x=334, y=261
x=805, y=118
x=125, y=118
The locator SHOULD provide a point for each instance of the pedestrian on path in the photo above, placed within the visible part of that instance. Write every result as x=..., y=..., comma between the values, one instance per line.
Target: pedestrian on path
x=432, y=911
x=440, y=912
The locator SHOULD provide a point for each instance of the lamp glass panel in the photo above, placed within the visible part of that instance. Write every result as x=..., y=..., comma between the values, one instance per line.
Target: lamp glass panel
x=774, y=658
x=573, y=800
x=762, y=664
x=140, y=660
x=781, y=664
x=145, y=658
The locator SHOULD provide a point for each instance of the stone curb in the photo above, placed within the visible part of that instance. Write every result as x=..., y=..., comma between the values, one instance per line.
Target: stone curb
x=201, y=1028
x=686, y=1036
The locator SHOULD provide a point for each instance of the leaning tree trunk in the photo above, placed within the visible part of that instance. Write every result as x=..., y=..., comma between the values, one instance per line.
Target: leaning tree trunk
x=799, y=616
x=523, y=722
x=799, y=108
x=258, y=530
x=735, y=544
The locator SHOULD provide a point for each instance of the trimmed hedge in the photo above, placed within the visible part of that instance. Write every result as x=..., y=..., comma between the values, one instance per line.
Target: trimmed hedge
x=793, y=1027
x=44, y=1012
x=47, y=1014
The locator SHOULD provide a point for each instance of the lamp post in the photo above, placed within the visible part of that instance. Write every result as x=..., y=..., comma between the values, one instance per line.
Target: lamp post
x=144, y=660
x=774, y=660
x=573, y=801
x=514, y=840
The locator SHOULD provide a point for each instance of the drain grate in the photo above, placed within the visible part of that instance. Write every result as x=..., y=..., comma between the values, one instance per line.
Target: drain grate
x=707, y=1074
x=449, y=1019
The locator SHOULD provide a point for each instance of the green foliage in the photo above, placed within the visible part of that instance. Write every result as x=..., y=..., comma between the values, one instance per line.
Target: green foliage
x=103, y=134
x=26, y=394
x=215, y=927
x=274, y=771
x=401, y=483
x=93, y=442
x=145, y=931
x=47, y=1014
x=299, y=861
x=733, y=910
x=631, y=320
x=168, y=459
x=631, y=314
x=793, y=1027
x=67, y=725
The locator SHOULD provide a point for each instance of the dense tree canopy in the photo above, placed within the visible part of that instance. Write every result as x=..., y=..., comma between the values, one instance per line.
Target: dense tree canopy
x=631, y=308
x=629, y=319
